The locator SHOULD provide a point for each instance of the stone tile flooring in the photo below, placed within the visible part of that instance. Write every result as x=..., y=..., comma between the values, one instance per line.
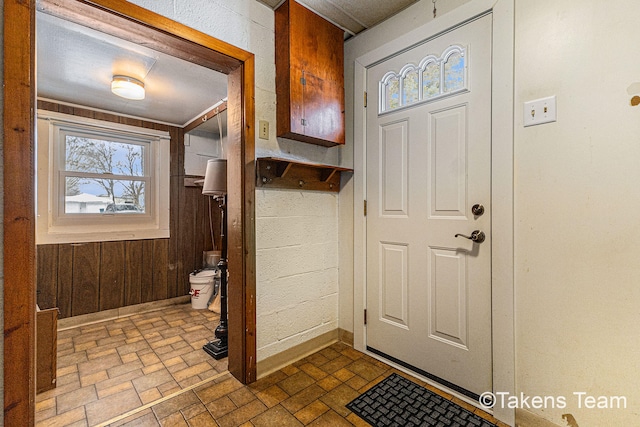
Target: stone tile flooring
x=109, y=368
x=157, y=375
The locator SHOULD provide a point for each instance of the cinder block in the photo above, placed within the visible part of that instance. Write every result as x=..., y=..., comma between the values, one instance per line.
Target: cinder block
x=297, y=319
x=294, y=290
x=266, y=331
x=329, y=308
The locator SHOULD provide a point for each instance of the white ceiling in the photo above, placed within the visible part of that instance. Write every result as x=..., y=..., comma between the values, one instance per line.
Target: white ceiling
x=353, y=16
x=75, y=64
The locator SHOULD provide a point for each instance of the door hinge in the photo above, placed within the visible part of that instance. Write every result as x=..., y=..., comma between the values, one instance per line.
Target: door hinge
x=365, y=100
x=365, y=316
x=303, y=122
x=365, y=208
x=303, y=81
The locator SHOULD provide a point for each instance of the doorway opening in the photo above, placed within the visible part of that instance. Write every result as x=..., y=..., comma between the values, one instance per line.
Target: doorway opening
x=137, y=25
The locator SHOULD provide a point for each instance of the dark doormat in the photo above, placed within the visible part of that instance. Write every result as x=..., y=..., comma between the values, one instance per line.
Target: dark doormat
x=397, y=401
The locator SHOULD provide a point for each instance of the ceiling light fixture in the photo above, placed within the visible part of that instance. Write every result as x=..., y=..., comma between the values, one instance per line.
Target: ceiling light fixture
x=127, y=87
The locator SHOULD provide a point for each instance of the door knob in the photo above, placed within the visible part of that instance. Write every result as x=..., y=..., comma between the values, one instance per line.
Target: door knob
x=476, y=236
x=477, y=210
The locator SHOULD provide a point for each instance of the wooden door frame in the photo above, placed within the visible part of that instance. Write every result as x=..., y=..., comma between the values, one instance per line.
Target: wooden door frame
x=135, y=24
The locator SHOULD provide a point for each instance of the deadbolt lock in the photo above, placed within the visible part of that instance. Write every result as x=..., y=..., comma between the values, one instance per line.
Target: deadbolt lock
x=477, y=210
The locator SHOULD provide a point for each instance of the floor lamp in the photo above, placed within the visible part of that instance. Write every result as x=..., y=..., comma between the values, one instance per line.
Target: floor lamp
x=215, y=185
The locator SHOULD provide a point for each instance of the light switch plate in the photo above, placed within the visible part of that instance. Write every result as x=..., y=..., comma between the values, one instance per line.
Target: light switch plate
x=540, y=111
x=263, y=132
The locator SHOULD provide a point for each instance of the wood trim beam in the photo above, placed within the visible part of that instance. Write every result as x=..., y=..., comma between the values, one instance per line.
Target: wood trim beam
x=19, y=248
x=118, y=18
x=210, y=114
x=241, y=209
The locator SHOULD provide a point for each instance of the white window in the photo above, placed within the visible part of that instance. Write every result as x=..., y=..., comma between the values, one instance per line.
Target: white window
x=100, y=181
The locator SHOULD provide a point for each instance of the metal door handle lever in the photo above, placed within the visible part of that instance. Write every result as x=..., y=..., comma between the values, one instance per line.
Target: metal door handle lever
x=476, y=236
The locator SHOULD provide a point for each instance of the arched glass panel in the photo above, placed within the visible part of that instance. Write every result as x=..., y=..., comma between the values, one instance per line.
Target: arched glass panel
x=431, y=81
x=454, y=73
x=410, y=86
x=433, y=78
x=392, y=93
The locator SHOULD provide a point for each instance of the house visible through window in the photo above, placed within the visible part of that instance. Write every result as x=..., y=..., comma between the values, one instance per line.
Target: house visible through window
x=100, y=181
x=104, y=176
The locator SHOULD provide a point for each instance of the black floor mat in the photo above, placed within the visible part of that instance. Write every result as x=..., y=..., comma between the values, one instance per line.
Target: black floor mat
x=397, y=401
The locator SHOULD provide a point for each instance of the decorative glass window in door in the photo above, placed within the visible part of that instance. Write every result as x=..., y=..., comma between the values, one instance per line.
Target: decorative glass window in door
x=433, y=78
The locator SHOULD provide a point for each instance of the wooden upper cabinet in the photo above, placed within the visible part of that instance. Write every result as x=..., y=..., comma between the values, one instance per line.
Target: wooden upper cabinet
x=309, y=76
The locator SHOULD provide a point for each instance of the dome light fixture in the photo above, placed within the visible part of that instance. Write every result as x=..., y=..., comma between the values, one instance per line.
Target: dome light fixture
x=127, y=87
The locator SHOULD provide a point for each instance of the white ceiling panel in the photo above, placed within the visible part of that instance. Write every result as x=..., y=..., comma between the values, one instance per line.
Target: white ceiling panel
x=75, y=65
x=353, y=16
x=371, y=12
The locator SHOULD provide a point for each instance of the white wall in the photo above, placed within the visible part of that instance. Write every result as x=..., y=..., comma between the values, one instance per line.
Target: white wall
x=577, y=236
x=297, y=274
x=576, y=204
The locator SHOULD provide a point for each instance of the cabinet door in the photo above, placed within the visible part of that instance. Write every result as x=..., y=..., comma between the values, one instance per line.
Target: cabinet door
x=323, y=115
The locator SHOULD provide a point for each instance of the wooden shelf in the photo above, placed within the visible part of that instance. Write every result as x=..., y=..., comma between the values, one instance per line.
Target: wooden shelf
x=193, y=181
x=275, y=172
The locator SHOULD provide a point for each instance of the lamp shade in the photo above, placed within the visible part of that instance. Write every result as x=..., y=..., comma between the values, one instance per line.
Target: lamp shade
x=215, y=178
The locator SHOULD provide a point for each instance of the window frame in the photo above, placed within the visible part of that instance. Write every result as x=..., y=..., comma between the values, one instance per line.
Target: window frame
x=55, y=226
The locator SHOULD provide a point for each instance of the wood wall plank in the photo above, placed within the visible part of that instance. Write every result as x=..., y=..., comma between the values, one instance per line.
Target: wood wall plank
x=176, y=268
x=174, y=227
x=112, y=275
x=65, y=279
x=133, y=272
x=147, y=272
x=201, y=224
x=47, y=276
x=160, y=266
x=131, y=122
x=86, y=278
x=188, y=223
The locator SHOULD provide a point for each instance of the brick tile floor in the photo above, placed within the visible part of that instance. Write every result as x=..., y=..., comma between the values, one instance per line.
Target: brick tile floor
x=108, y=372
x=109, y=368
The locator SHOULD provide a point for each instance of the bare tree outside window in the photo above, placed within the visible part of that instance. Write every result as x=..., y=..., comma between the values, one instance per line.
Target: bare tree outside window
x=103, y=176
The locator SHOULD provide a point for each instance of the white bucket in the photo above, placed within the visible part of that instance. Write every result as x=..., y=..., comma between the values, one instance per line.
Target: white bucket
x=201, y=288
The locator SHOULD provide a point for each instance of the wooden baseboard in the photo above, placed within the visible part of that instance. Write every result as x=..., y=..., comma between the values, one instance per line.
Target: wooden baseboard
x=527, y=419
x=116, y=313
x=345, y=336
x=287, y=357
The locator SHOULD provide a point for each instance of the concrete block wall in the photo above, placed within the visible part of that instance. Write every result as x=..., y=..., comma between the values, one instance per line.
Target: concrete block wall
x=297, y=268
x=296, y=232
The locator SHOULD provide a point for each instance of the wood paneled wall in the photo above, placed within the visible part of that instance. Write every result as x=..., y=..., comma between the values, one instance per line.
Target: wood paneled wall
x=81, y=278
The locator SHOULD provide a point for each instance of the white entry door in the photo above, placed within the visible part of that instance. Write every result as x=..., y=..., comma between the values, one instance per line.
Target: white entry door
x=428, y=165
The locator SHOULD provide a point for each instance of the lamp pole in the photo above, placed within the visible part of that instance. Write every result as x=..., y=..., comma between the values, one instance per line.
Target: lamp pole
x=219, y=348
